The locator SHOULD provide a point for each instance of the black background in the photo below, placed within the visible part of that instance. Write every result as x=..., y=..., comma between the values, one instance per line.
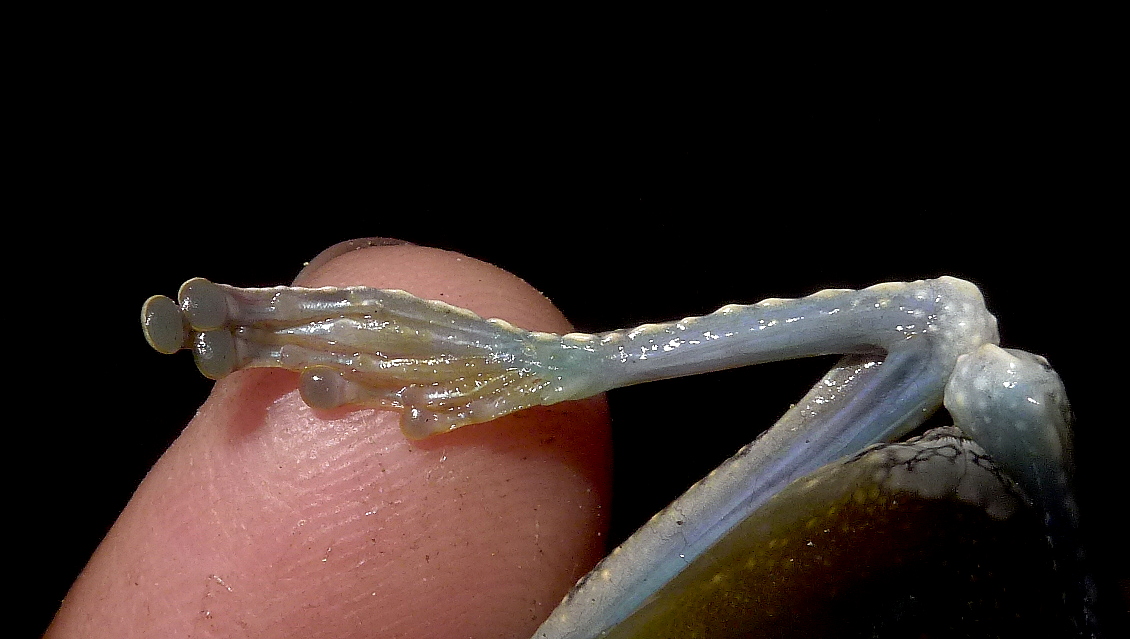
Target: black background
x=648, y=188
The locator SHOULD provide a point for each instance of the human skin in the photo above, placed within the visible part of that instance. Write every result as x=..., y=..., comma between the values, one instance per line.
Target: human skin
x=267, y=518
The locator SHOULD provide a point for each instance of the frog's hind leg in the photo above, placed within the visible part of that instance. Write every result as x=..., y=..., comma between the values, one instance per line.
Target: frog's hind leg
x=901, y=340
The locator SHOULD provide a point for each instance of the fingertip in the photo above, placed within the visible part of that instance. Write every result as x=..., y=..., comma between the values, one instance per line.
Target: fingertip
x=331, y=520
x=547, y=468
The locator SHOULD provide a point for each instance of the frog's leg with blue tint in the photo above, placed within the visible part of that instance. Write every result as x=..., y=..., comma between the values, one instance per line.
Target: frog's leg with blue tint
x=445, y=367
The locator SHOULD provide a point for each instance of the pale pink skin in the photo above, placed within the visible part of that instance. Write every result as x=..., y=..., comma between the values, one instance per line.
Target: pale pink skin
x=269, y=519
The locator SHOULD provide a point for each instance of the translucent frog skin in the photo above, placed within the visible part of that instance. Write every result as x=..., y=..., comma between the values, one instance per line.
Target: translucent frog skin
x=906, y=347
